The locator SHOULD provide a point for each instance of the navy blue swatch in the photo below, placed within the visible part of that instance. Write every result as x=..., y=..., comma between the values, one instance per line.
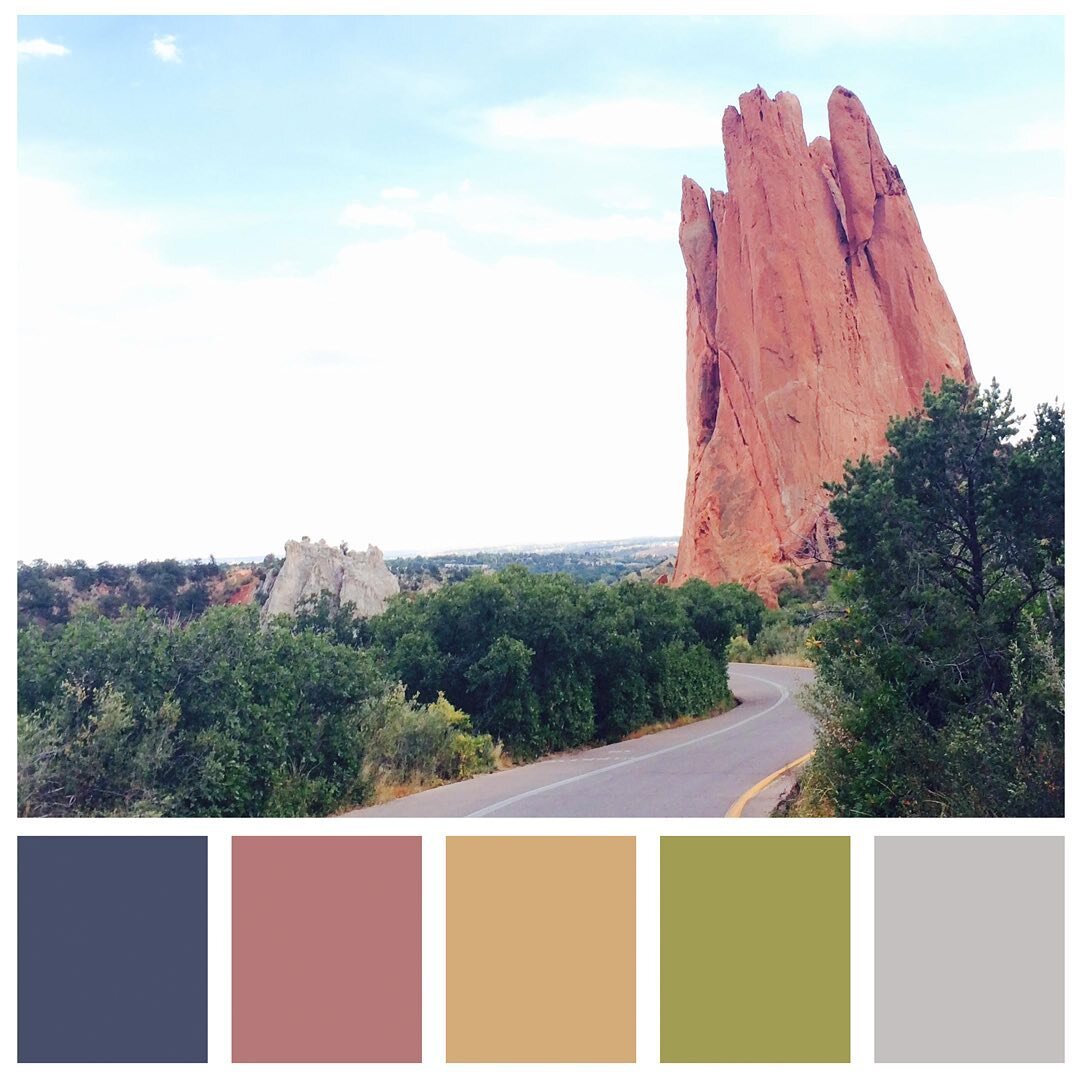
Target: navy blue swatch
x=112, y=948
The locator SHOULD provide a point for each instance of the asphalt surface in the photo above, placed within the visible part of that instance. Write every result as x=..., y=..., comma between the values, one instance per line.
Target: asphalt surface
x=697, y=770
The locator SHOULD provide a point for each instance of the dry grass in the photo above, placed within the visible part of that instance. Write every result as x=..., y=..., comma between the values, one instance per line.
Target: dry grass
x=679, y=721
x=786, y=659
x=805, y=799
x=388, y=790
x=661, y=725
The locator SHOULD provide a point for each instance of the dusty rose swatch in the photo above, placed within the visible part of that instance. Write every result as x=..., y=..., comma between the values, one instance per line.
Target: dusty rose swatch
x=326, y=949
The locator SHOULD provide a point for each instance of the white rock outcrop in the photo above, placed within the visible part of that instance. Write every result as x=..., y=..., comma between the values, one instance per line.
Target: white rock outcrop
x=359, y=578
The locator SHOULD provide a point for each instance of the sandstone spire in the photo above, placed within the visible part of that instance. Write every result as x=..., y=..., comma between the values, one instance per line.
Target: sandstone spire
x=813, y=315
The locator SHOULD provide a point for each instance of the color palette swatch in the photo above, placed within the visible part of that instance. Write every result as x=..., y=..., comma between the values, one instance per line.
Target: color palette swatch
x=754, y=949
x=540, y=949
x=326, y=949
x=969, y=949
x=112, y=949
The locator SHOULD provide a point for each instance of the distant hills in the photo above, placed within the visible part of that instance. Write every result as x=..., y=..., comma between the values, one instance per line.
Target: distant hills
x=50, y=593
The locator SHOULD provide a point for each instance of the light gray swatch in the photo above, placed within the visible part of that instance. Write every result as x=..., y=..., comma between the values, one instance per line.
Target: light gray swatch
x=969, y=949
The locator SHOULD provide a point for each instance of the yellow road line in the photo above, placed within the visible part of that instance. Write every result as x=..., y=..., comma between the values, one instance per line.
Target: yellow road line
x=739, y=805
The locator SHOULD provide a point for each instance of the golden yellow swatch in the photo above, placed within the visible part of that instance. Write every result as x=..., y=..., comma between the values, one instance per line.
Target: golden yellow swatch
x=540, y=948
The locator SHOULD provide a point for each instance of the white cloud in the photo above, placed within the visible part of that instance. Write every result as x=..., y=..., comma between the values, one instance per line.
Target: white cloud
x=532, y=223
x=403, y=193
x=642, y=123
x=809, y=33
x=1036, y=136
x=360, y=215
x=166, y=49
x=624, y=197
x=993, y=123
x=40, y=47
x=515, y=218
x=405, y=394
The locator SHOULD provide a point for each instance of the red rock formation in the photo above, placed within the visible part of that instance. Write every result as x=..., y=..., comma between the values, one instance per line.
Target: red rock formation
x=244, y=595
x=813, y=315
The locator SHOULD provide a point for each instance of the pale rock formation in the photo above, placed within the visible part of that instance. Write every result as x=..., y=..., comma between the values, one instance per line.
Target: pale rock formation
x=814, y=314
x=357, y=577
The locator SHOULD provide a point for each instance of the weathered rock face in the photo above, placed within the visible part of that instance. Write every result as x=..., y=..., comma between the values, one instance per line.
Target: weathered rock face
x=357, y=577
x=813, y=315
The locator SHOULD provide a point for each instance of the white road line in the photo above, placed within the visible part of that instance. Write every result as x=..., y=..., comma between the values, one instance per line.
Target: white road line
x=784, y=695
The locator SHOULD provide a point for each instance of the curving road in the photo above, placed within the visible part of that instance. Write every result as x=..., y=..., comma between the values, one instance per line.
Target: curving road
x=697, y=770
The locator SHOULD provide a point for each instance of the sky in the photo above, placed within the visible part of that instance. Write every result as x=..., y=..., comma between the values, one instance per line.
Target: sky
x=415, y=281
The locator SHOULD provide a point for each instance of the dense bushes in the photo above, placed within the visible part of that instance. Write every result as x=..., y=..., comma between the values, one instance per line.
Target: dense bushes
x=219, y=716
x=214, y=717
x=542, y=662
x=939, y=690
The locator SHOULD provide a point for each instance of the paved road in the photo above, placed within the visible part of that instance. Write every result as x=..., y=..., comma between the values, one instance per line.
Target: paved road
x=694, y=771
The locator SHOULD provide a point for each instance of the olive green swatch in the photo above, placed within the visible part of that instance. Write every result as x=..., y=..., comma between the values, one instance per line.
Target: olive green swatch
x=755, y=949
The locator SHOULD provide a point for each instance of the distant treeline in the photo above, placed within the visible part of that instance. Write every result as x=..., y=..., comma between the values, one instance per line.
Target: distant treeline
x=215, y=715
x=602, y=565
x=48, y=593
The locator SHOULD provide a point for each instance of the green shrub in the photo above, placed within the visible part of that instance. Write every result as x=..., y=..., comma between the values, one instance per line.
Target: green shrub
x=780, y=636
x=96, y=759
x=691, y=681
x=740, y=651
x=249, y=710
x=416, y=743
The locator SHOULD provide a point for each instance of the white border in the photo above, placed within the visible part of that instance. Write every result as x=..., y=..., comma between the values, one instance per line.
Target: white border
x=434, y=832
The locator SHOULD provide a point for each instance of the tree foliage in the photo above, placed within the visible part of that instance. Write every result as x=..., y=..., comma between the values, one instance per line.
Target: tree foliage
x=544, y=662
x=940, y=690
x=215, y=716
